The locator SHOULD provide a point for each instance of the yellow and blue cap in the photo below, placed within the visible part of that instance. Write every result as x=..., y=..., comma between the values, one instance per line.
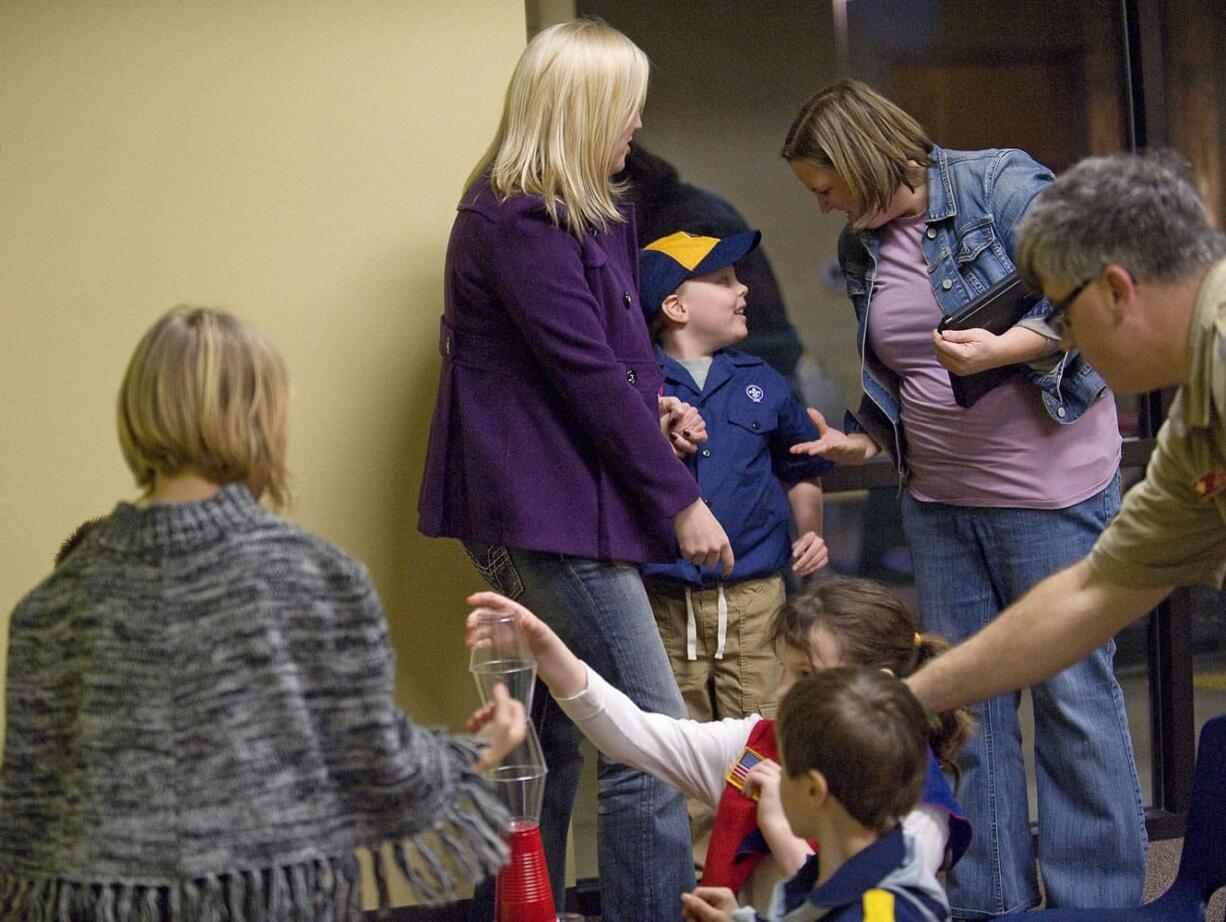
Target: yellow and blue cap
x=665, y=263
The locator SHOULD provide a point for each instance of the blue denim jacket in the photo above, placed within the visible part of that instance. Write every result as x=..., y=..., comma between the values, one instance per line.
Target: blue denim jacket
x=975, y=201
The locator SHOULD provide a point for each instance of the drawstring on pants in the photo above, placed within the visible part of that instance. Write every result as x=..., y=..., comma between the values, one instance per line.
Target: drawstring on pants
x=691, y=624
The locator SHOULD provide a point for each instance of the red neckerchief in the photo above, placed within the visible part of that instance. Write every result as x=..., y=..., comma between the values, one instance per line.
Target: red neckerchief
x=730, y=859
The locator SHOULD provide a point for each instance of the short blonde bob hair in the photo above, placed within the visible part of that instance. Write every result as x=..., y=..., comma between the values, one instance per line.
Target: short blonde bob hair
x=871, y=144
x=205, y=393
x=575, y=90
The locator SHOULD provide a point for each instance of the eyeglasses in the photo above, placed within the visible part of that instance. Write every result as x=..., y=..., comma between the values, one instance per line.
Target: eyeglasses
x=1058, y=318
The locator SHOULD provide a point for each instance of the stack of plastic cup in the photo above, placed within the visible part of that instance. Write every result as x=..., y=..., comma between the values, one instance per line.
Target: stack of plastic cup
x=501, y=654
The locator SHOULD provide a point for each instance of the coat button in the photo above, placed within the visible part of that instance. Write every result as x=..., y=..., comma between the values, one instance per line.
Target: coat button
x=1060, y=412
x=932, y=233
x=947, y=284
x=627, y=299
x=631, y=377
x=756, y=424
x=706, y=452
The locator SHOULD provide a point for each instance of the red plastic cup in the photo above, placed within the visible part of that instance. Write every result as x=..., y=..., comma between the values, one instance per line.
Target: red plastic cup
x=522, y=892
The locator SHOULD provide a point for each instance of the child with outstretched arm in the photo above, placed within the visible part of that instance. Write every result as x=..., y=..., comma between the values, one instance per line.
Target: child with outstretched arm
x=732, y=764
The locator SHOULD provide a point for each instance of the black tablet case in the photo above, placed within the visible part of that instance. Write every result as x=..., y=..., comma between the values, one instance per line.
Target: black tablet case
x=995, y=310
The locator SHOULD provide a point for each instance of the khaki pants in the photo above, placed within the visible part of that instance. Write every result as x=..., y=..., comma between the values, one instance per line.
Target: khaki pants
x=738, y=682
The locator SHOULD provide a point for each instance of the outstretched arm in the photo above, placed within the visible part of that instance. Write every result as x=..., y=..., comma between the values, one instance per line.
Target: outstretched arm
x=556, y=665
x=836, y=445
x=690, y=755
x=1057, y=623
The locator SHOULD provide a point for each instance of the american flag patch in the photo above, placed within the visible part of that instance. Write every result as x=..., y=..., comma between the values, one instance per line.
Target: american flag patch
x=748, y=759
x=1210, y=485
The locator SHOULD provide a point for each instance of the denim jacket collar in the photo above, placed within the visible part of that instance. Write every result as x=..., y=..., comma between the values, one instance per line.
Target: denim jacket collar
x=942, y=203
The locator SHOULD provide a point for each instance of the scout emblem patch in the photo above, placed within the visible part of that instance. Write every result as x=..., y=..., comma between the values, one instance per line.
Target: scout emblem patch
x=736, y=775
x=754, y=393
x=1210, y=485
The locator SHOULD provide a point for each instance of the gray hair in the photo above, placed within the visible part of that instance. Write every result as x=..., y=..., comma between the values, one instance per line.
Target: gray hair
x=1139, y=211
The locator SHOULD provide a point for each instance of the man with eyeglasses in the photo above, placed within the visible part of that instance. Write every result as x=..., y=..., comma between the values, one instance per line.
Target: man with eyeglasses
x=1124, y=249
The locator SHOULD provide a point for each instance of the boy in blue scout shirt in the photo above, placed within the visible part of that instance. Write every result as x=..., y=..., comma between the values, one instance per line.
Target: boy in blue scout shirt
x=716, y=628
x=854, y=744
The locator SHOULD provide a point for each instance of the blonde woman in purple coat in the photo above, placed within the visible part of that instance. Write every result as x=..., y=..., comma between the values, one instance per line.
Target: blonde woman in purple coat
x=546, y=456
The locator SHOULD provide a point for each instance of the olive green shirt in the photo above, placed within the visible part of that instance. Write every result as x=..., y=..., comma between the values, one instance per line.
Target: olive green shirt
x=1171, y=529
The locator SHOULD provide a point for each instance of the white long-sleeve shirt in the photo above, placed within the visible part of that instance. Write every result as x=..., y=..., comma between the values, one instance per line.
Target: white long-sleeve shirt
x=695, y=756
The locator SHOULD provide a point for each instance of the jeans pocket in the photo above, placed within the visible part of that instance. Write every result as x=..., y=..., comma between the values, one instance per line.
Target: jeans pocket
x=1111, y=499
x=496, y=568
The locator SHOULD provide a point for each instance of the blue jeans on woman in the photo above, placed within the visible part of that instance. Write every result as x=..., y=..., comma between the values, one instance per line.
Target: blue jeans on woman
x=970, y=563
x=600, y=610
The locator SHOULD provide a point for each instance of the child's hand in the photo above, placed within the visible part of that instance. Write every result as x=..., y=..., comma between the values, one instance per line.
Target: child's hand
x=557, y=667
x=762, y=784
x=538, y=634
x=502, y=723
x=837, y=446
x=708, y=903
x=809, y=554
x=682, y=425
x=790, y=850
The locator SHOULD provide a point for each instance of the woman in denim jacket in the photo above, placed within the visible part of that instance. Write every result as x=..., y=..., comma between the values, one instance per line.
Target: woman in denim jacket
x=997, y=495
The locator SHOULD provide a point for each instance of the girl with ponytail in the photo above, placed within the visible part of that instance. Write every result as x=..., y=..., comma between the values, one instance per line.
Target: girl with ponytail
x=732, y=764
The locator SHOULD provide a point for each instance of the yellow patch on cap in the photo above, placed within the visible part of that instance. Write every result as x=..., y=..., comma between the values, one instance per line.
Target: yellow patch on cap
x=878, y=906
x=686, y=249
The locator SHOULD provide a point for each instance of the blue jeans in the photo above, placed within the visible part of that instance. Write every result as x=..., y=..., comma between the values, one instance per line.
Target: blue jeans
x=970, y=563
x=600, y=610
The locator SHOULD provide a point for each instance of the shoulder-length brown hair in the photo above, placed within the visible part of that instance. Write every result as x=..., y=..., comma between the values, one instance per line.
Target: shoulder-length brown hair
x=872, y=144
x=207, y=394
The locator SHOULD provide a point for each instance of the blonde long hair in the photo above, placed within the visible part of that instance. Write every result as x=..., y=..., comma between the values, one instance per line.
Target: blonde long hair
x=870, y=143
x=208, y=394
x=576, y=88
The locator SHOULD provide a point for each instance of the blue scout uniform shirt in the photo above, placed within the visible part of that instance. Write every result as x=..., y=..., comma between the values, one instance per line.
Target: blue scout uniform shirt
x=883, y=883
x=753, y=417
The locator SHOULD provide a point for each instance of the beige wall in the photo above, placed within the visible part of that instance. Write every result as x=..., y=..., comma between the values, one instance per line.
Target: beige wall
x=297, y=162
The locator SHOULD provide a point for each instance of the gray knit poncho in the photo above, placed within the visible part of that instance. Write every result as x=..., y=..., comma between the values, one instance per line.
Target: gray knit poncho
x=200, y=727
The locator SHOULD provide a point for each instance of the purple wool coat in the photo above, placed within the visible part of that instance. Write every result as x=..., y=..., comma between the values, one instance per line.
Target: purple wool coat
x=545, y=434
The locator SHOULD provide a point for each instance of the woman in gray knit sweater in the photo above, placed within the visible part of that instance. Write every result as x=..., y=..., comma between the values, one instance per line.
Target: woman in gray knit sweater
x=199, y=721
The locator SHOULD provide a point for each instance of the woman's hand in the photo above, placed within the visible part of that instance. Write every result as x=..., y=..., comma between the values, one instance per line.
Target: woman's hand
x=966, y=352
x=809, y=554
x=708, y=903
x=762, y=783
x=502, y=724
x=835, y=445
x=556, y=665
x=702, y=539
x=682, y=425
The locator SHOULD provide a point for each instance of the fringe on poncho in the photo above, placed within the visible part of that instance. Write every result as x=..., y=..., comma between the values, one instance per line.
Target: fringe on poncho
x=200, y=728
